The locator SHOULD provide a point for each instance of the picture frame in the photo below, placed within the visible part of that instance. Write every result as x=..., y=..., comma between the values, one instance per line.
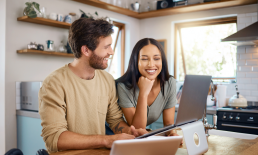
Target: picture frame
x=163, y=42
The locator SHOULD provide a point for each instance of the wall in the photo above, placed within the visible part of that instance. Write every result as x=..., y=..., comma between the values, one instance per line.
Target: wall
x=247, y=62
x=2, y=74
x=163, y=28
x=23, y=67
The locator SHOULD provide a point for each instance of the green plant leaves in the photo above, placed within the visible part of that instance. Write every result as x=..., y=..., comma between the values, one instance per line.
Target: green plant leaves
x=28, y=4
x=31, y=9
x=83, y=14
x=36, y=5
x=32, y=14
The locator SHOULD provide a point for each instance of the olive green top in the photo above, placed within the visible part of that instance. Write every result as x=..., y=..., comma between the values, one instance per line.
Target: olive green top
x=126, y=99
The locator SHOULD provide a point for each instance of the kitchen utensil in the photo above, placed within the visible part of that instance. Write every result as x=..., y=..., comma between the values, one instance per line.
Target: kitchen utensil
x=62, y=48
x=237, y=100
x=53, y=16
x=68, y=19
x=50, y=45
x=43, y=12
x=221, y=95
x=32, y=46
x=60, y=17
x=135, y=6
x=40, y=47
x=209, y=101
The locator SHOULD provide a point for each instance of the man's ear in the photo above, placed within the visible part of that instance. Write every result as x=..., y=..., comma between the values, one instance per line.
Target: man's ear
x=85, y=51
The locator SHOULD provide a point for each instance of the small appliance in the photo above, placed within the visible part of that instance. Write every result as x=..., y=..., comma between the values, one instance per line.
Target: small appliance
x=237, y=100
x=243, y=120
x=29, y=95
x=165, y=4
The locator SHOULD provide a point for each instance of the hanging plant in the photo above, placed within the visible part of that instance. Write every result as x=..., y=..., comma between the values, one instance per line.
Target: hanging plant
x=30, y=9
x=84, y=15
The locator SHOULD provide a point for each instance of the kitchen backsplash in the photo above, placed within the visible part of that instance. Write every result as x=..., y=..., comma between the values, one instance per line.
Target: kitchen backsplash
x=247, y=64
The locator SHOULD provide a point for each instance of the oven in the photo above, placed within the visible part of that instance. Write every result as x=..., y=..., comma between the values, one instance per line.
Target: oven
x=238, y=120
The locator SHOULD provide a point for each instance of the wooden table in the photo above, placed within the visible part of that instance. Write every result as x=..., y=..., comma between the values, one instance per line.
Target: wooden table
x=218, y=145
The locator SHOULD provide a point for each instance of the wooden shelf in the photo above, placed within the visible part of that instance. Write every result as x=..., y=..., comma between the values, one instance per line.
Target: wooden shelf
x=110, y=7
x=28, y=51
x=44, y=21
x=169, y=11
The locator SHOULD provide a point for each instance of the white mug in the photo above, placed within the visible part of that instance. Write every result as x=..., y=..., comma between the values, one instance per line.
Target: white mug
x=53, y=16
x=60, y=17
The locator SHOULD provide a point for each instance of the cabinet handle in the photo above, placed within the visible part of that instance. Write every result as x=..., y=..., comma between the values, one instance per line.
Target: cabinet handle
x=239, y=126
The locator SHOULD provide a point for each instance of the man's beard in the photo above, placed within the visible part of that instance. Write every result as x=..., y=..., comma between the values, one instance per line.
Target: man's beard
x=96, y=62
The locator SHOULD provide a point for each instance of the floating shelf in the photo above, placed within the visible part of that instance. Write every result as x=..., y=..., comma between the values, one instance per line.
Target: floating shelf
x=28, y=51
x=169, y=11
x=44, y=21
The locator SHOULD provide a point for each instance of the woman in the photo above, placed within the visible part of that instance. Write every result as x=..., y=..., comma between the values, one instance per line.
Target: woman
x=146, y=89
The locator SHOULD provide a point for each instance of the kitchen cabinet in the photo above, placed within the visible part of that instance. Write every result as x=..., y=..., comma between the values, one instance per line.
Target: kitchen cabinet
x=28, y=135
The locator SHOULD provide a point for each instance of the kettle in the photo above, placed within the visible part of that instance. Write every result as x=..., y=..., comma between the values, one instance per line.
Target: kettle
x=237, y=100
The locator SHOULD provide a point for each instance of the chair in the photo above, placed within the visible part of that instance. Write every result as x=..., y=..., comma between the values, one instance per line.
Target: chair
x=14, y=152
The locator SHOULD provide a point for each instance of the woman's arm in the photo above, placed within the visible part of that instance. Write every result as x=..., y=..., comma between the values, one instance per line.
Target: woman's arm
x=137, y=116
x=168, y=119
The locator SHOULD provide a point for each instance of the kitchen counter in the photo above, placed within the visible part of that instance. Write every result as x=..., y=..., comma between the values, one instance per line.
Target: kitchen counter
x=34, y=114
x=218, y=145
x=210, y=110
x=26, y=113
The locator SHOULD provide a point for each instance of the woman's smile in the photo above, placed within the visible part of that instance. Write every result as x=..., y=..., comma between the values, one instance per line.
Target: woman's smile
x=151, y=71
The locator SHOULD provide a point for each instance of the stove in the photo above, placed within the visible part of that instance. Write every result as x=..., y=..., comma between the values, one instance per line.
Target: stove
x=243, y=120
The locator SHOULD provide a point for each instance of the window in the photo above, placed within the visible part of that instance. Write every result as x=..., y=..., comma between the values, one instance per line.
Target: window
x=116, y=62
x=201, y=52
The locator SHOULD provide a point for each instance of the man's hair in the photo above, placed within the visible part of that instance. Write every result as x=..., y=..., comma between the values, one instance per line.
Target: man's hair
x=87, y=31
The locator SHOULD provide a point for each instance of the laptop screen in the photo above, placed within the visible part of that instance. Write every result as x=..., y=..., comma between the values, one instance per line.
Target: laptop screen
x=193, y=98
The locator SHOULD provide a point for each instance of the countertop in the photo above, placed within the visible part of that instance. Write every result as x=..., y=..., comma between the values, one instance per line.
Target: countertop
x=27, y=113
x=210, y=110
x=218, y=145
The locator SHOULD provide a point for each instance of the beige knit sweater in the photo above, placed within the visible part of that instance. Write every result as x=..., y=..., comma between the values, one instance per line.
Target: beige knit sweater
x=67, y=102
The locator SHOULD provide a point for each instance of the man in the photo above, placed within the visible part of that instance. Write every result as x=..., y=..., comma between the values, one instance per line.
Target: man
x=77, y=99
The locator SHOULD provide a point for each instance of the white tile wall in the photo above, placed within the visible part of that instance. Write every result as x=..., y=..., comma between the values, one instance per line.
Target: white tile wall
x=247, y=63
x=251, y=50
x=241, y=62
x=251, y=74
x=245, y=68
x=255, y=56
x=245, y=56
x=255, y=68
x=251, y=62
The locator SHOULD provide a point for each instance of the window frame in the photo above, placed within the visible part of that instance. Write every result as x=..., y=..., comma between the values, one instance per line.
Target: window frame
x=121, y=29
x=177, y=31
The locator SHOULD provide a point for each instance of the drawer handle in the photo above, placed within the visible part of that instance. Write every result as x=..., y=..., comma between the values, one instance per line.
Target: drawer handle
x=239, y=126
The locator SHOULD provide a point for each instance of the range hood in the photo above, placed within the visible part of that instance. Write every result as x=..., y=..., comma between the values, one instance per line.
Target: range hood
x=246, y=36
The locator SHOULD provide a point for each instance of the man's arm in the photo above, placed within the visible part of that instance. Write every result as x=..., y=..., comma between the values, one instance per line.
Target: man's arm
x=70, y=140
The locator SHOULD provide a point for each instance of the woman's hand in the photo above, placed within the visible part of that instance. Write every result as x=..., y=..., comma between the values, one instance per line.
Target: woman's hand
x=145, y=85
x=137, y=132
x=173, y=133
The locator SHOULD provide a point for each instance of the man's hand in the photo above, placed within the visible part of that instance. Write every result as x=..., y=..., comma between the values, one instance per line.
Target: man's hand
x=137, y=132
x=110, y=139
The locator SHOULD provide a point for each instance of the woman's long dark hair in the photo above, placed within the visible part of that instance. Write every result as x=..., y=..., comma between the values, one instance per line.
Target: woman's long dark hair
x=132, y=75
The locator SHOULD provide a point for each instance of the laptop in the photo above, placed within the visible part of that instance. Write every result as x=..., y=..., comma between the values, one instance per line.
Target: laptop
x=155, y=145
x=192, y=103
